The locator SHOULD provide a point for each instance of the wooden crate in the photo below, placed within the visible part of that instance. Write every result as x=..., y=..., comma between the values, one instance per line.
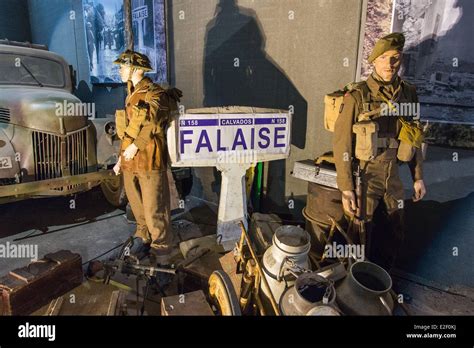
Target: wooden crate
x=90, y=298
x=26, y=289
x=192, y=303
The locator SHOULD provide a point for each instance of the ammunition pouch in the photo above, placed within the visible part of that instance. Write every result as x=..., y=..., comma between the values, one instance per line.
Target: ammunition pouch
x=120, y=122
x=411, y=137
x=136, y=122
x=387, y=143
x=366, y=140
x=405, y=152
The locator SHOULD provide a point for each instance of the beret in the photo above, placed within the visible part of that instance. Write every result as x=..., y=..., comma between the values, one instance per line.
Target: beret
x=394, y=41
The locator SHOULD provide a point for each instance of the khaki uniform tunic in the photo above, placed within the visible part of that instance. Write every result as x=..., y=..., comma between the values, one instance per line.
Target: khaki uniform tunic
x=145, y=176
x=379, y=177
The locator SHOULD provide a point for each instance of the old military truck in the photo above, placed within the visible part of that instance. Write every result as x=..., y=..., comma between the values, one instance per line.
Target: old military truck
x=49, y=144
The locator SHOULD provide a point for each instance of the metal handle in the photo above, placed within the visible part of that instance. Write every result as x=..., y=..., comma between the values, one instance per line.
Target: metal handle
x=385, y=304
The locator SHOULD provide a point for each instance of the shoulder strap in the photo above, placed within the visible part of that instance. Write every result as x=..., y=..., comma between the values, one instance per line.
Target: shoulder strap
x=153, y=92
x=362, y=96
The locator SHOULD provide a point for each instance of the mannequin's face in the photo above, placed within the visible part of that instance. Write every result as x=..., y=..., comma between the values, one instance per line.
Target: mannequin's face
x=128, y=73
x=125, y=72
x=388, y=64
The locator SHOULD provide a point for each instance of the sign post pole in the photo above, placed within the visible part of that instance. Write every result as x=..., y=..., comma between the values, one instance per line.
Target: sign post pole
x=232, y=203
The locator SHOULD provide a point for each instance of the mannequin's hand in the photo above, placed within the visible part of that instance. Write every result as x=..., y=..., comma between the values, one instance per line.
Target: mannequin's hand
x=349, y=201
x=117, y=166
x=130, y=152
x=420, y=190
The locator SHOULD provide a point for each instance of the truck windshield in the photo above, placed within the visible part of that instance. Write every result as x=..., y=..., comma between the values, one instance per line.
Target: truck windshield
x=18, y=69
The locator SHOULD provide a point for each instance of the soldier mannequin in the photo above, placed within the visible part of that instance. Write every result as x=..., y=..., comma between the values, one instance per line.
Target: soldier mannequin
x=143, y=159
x=379, y=174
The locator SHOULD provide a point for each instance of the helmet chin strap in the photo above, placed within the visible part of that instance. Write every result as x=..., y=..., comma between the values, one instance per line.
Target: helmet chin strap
x=130, y=73
x=129, y=81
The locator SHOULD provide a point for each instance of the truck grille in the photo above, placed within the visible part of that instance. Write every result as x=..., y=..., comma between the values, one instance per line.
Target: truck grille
x=53, y=160
x=4, y=115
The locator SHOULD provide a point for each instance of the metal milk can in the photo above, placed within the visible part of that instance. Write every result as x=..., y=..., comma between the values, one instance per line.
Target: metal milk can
x=288, y=254
x=365, y=290
x=311, y=292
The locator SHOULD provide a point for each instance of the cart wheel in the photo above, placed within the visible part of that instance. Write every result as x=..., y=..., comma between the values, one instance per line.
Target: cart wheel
x=223, y=294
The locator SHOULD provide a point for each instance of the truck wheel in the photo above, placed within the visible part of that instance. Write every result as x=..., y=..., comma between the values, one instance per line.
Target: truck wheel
x=114, y=191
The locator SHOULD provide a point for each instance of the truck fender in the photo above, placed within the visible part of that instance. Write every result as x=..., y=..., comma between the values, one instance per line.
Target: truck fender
x=108, y=143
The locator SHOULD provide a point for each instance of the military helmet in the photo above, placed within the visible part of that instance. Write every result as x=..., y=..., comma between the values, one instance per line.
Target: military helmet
x=134, y=59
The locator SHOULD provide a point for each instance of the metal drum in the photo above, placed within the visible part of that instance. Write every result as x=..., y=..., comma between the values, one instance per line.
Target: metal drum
x=322, y=202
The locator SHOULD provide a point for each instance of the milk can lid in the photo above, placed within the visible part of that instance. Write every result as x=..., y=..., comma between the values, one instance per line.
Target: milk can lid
x=292, y=236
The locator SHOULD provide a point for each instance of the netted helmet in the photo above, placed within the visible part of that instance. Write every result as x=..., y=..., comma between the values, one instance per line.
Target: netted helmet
x=134, y=60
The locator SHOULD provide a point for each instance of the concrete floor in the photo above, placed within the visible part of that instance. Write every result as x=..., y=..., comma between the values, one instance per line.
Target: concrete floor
x=94, y=229
x=91, y=229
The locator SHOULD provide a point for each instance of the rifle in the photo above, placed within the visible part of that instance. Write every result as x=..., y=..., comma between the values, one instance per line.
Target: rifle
x=124, y=251
x=131, y=266
x=127, y=267
x=360, y=215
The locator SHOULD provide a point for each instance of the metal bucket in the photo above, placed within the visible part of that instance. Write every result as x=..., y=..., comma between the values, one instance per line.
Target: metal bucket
x=310, y=290
x=365, y=290
x=291, y=245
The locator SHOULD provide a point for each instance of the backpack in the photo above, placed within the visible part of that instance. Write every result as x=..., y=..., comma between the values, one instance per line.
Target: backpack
x=170, y=110
x=333, y=102
x=174, y=97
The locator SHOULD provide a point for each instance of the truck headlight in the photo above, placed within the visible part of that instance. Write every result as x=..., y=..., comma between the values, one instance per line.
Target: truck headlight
x=110, y=129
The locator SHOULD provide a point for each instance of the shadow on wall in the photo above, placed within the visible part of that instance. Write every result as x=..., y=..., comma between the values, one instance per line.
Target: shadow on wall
x=238, y=71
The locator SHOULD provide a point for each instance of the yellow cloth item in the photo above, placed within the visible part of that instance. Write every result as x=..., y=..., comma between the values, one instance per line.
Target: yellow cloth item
x=411, y=133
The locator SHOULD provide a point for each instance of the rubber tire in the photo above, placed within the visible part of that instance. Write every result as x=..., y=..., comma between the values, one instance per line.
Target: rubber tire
x=114, y=192
x=222, y=293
